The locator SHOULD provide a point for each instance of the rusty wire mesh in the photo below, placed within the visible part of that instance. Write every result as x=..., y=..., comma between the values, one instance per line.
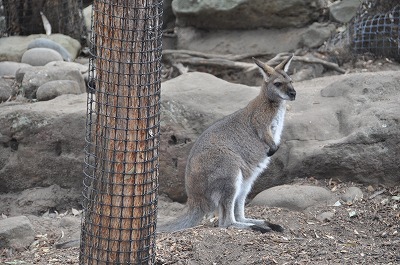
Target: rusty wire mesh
x=23, y=17
x=122, y=133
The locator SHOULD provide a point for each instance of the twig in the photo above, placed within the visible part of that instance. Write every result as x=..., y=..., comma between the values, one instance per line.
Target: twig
x=379, y=192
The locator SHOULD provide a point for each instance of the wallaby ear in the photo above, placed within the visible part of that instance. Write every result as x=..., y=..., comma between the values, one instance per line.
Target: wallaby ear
x=285, y=64
x=265, y=69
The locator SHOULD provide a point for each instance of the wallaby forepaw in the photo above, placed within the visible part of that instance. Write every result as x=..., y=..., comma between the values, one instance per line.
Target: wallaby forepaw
x=262, y=229
x=272, y=151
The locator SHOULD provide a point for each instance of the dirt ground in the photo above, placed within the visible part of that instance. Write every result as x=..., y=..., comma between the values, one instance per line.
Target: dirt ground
x=364, y=232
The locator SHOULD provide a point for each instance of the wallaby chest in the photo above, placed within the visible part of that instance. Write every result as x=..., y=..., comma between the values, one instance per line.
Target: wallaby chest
x=277, y=123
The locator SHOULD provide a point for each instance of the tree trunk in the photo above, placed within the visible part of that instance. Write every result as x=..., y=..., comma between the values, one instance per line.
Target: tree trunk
x=123, y=134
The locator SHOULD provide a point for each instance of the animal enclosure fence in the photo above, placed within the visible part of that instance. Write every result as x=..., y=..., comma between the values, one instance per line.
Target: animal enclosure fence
x=371, y=31
x=378, y=34
x=122, y=133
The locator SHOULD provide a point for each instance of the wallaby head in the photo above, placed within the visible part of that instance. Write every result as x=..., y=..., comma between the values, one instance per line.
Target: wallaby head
x=277, y=84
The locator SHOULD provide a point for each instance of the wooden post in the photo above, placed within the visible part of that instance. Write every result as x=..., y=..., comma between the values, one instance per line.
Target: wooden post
x=123, y=130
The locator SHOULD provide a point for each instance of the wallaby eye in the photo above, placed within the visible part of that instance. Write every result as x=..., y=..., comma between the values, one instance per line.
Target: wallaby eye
x=278, y=84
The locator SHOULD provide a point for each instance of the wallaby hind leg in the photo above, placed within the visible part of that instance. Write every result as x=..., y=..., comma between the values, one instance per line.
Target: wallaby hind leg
x=239, y=208
x=227, y=204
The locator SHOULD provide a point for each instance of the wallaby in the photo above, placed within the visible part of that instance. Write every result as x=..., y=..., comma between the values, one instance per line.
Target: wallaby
x=229, y=156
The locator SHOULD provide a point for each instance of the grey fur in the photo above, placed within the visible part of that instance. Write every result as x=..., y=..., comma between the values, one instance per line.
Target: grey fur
x=229, y=156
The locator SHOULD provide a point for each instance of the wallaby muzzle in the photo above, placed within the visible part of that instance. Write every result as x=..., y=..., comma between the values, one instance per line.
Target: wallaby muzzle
x=292, y=94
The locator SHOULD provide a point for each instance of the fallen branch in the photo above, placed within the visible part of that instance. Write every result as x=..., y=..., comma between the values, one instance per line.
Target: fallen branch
x=231, y=57
x=306, y=59
x=231, y=61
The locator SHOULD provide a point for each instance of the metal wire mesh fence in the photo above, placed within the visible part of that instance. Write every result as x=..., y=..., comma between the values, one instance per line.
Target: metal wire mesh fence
x=378, y=34
x=25, y=17
x=122, y=135
x=374, y=30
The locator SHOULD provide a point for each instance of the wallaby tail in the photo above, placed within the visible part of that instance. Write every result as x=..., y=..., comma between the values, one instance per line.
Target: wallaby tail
x=192, y=217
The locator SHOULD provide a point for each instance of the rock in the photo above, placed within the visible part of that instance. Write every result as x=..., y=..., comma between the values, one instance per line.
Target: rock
x=307, y=71
x=38, y=200
x=69, y=222
x=325, y=216
x=341, y=127
x=224, y=14
x=31, y=78
x=316, y=34
x=12, y=48
x=168, y=210
x=239, y=41
x=268, y=41
x=87, y=16
x=40, y=56
x=16, y=232
x=47, y=43
x=8, y=68
x=73, y=46
x=168, y=15
x=42, y=143
x=56, y=88
x=83, y=69
x=343, y=11
x=6, y=89
x=344, y=127
x=349, y=135
x=352, y=195
x=294, y=197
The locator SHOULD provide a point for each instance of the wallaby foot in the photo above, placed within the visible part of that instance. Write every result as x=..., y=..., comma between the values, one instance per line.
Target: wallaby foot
x=275, y=227
x=267, y=227
x=262, y=229
x=260, y=222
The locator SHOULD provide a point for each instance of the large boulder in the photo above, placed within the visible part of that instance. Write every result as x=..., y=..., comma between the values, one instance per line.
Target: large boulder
x=8, y=68
x=56, y=88
x=246, y=14
x=344, y=11
x=12, y=48
x=31, y=78
x=343, y=127
x=16, y=232
x=6, y=89
x=40, y=56
x=41, y=144
x=263, y=41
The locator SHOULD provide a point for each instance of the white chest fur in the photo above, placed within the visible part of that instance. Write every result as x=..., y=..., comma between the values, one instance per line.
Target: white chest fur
x=277, y=123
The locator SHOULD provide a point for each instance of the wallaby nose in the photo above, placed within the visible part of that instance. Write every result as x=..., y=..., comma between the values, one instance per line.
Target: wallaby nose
x=292, y=94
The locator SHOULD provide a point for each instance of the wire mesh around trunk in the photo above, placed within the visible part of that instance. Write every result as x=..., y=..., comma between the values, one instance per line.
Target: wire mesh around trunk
x=122, y=133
